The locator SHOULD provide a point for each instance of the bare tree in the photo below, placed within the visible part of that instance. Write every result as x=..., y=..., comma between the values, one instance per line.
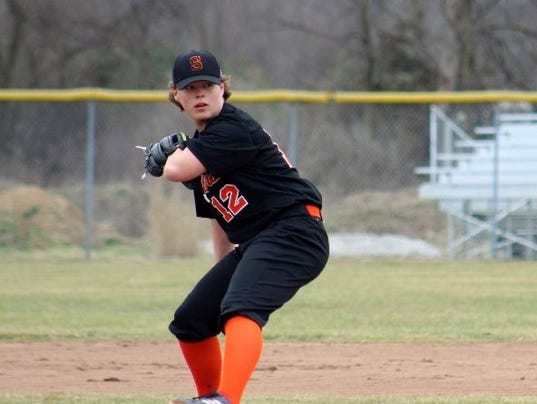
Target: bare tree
x=494, y=43
x=13, y=23
x=359, y=45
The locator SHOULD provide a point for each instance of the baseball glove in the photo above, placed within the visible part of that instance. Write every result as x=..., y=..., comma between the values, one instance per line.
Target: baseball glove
x=157, y=153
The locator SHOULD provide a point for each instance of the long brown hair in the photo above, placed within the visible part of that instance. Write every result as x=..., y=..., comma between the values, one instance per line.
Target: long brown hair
x=226, y=80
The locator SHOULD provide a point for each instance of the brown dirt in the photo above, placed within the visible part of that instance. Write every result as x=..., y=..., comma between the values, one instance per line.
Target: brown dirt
x=500, y=369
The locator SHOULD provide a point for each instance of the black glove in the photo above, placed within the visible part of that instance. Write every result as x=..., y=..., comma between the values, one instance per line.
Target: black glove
x=166, y=146
x=157, y=153
x=152, y=167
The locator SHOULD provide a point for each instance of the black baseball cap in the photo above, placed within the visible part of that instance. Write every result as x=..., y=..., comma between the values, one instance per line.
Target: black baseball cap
x=195, y=65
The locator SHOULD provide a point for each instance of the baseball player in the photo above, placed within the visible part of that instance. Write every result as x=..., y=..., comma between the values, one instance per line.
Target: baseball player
x=268, y=234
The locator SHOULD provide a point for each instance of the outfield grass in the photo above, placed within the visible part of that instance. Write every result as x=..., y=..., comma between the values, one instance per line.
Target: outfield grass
x=352, y=301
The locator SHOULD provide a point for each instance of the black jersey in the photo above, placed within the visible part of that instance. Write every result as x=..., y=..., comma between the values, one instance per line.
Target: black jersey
x=249, y=180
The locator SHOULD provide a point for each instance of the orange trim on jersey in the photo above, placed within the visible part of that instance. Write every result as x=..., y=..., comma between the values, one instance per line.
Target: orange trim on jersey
x=314, y=211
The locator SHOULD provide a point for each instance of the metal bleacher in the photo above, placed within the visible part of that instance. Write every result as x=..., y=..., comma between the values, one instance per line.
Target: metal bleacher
x=486, y=183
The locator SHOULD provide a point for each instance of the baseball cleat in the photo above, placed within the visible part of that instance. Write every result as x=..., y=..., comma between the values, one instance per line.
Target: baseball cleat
x=208, y=399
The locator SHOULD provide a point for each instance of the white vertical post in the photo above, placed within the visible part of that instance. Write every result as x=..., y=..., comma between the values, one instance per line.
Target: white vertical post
x=495, y=184
x=433, y=146
x=90, y=177
x=450, y=232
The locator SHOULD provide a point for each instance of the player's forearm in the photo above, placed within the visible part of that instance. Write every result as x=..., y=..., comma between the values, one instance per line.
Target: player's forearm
x=182, y=166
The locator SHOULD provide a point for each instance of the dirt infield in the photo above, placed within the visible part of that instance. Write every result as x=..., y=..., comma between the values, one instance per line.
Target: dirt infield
x=503, y=369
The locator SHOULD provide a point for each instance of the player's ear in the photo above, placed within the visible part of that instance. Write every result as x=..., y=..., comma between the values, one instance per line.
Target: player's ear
x=227, y=88
x=172, y=96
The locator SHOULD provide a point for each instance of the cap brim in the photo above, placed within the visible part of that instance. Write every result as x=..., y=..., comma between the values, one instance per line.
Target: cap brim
x=183, y=83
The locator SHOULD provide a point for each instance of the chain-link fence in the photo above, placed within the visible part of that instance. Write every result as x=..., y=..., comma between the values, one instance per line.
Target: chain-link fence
x=363, y=156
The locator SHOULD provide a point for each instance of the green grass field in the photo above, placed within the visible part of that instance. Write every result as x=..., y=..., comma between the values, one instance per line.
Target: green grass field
x=352, y=301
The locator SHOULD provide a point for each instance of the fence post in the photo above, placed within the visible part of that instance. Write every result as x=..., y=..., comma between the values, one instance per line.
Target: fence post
x=90, y=177
x=495, y=184
x=433, y=146
x=293, y=128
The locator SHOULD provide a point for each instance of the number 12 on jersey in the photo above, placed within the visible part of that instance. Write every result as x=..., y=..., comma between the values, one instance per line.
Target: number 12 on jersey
x=230, y=202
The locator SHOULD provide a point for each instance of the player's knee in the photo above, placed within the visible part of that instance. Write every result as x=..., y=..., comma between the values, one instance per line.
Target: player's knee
x=188, y=326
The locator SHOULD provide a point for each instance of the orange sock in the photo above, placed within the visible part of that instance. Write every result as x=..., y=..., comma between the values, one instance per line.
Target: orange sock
x=204, y=359
x=244, y=341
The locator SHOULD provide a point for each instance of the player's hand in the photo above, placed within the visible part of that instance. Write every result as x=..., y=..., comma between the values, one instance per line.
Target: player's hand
x=166, y=146
x=153, y=167
x=157, y=153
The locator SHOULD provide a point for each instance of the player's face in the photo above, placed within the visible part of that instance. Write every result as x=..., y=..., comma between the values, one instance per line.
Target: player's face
x=202, y=101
